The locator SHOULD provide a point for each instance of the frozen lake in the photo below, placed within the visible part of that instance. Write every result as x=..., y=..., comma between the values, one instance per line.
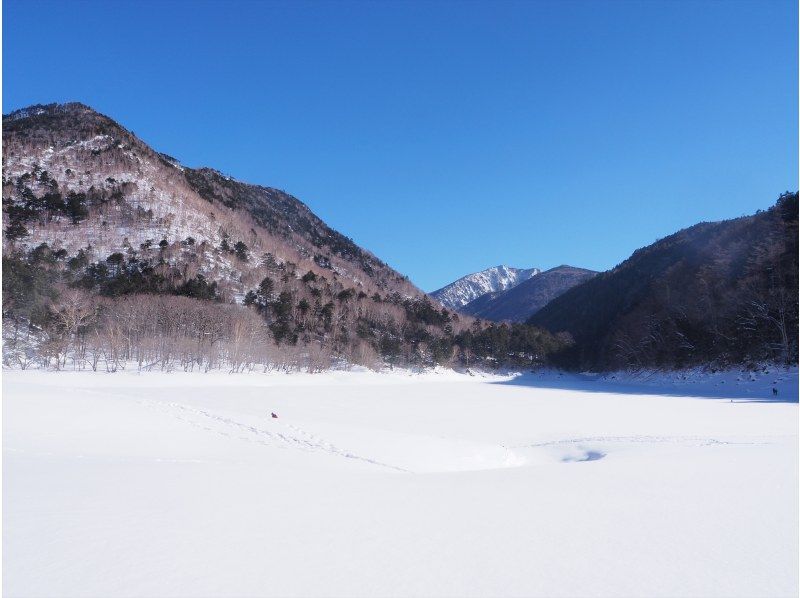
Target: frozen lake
x=396, y=485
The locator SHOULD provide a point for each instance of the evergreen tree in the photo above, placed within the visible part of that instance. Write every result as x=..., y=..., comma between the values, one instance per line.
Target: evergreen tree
x=76, y=207
x=242, y=251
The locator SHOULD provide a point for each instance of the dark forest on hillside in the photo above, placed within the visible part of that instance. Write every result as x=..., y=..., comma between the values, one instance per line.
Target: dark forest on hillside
x=716, y=293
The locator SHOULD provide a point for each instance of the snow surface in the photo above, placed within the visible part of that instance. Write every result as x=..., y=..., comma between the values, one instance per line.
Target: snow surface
x=470, y=287
x=393, y=484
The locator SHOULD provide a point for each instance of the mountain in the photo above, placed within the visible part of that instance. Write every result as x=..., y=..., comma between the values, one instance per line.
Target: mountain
x=115, y=253
x=520, y=302
x=124, y=195
x=717, y=292
x=468, y=288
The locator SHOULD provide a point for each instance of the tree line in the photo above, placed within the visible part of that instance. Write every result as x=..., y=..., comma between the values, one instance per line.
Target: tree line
x=138, y=310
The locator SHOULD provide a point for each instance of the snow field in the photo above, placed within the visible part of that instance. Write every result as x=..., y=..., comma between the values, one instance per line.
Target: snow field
x=395, y=485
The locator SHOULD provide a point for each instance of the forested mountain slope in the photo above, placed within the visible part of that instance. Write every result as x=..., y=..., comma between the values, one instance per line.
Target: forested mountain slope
x=717, y=292
x=114, y=252
x=79, y=178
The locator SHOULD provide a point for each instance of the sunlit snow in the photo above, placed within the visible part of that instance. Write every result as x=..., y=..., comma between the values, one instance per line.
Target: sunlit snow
x=368, y=484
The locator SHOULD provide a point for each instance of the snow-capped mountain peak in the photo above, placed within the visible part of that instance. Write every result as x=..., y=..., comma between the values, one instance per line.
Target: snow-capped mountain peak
x=470, y=287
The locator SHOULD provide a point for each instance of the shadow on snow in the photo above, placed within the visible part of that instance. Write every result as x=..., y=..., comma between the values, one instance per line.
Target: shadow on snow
x=739, y=392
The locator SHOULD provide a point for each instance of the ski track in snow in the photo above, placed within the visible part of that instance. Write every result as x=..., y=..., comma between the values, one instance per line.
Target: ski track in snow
x=234, y=429
x=581, y=449
x=303, y=440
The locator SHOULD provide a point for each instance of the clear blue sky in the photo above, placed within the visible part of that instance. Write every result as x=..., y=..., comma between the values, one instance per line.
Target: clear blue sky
x=446, y=137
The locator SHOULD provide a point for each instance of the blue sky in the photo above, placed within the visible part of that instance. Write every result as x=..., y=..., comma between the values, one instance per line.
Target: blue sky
x=446, y=137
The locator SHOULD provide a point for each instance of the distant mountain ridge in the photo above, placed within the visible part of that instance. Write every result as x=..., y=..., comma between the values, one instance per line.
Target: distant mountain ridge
x=472, y=286
x=521, y=301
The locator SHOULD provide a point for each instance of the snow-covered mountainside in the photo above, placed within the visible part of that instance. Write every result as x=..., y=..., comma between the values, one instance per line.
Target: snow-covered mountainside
x=97, y=224
x=78, y=181
x=470, y=287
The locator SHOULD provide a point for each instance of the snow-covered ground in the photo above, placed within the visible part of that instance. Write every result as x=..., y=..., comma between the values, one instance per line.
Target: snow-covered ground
x=396, y=485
